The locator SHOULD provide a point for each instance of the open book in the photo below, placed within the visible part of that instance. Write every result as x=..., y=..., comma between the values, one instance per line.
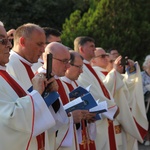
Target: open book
x=75, y=104
x=100, y=108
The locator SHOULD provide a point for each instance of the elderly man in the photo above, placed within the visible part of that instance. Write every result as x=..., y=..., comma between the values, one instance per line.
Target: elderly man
x=100, y=61
x=21, y=112
x=60, y=63
x=26, y=51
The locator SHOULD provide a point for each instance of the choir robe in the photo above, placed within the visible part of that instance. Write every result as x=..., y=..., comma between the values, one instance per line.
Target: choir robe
x=66, y=136
x=128, y=96
x=17, y=69
x=85, y=79
x=120, y=133
x=22, y=117
x=85, y=137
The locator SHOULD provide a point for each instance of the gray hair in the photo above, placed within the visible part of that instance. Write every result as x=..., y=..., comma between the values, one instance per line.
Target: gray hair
x=147, y=60
x=26, y=31
x=1, y=23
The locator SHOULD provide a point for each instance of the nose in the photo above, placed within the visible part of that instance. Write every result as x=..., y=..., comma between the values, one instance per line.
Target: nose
x=43, y=49
x=81, y=70
x=9, y=44
x=68, y=65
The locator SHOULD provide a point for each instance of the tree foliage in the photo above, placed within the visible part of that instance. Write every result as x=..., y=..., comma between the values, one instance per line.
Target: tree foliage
x=120, y=24
x=43, y=12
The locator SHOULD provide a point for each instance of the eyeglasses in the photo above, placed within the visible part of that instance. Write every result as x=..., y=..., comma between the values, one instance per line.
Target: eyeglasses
x=5, y=41
x=65, y=61
x=111, y=61
x=115, y=53
x=102, y=56
x=80, y=67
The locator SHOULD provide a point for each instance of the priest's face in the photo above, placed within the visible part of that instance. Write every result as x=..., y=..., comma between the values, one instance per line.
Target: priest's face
x=61, y=62
x=33, y=47
x=88, y=50
x=75, y=69
x=5, y=46
x=101, y=58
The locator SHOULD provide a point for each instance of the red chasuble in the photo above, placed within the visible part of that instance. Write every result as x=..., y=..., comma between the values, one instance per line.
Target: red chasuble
x=40, y=138
x=86, y=143
x=111, y=131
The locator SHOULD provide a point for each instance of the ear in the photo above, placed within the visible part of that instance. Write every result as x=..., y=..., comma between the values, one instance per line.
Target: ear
x=81, y=50
x=22, y=41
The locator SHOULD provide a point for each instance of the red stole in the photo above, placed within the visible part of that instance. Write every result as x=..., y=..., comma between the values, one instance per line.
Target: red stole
x=20, y=92
x=40, y=138
x=70, y=87
x=29, y=70
x=62, y=92
x=104, y=72
x=17, y=88
x=98, y=79
x=86, y=144
x=111, y=127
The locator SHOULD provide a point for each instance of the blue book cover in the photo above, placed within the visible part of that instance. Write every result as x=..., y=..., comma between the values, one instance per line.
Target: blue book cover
x=78, y=92
x=98, y=117
x=89, y=101
x=50, y=98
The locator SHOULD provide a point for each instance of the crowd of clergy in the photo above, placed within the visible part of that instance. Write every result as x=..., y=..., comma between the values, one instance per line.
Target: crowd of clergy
x=32, y=112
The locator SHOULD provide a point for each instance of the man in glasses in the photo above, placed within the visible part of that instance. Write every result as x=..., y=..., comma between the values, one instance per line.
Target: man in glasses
x=22, y=112
x=29, y=44
x=60, y=64
x=100, y=61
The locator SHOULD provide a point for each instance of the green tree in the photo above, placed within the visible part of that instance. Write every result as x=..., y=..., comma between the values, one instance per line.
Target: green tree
x=43, y=12
x=124, y=25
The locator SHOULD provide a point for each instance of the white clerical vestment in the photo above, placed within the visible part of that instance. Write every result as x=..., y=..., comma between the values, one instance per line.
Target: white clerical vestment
x=17, y=67
x=87, y=135
x=37, y=65
x=22, y=117
x=120, y=134
x=135, y=126
x=85, y=79
x=66, y=137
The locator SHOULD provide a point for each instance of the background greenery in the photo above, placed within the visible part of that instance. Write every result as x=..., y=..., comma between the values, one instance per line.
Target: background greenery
x=119, y=24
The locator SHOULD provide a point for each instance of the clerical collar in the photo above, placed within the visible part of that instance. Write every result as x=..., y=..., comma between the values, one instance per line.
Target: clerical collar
x=64, y=78
x=3, y=68
x=21, y=58
x=42, y=70
x=100, y=68
x=86, y=62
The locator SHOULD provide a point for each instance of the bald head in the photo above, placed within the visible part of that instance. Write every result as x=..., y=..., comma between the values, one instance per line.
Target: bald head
x=56, y=49
x=99, y=51
x=61, y=57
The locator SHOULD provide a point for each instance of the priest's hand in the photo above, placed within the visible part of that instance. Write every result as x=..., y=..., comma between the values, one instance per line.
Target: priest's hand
x=117, y=65
x=78, y=115
x=53, y=86
x=90, y=117
x=40, y=82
